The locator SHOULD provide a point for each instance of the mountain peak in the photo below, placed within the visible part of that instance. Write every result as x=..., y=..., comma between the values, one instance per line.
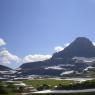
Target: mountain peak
x=80, y=47
x=83, y=40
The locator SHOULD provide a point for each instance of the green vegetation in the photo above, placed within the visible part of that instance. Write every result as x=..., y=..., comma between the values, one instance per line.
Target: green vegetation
x=10, y=89
x=50, y=82
x=60, y=84
x=84, y=85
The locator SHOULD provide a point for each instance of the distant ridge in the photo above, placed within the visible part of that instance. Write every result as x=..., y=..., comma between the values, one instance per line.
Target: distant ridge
x=4, y=68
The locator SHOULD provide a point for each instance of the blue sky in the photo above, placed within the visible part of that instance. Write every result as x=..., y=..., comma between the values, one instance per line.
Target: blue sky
x=37, y=26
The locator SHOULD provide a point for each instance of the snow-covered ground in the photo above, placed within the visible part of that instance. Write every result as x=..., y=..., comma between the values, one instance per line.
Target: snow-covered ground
x=79, y=79
x=54, y=67
x=89, y=67
x=67, y=72
x=75, y=79
x=84, y=59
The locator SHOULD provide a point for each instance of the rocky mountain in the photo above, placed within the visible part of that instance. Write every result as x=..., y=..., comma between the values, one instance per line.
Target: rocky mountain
x=75, y=59
x=4, y=68
x=5, y=73
x=81, y=47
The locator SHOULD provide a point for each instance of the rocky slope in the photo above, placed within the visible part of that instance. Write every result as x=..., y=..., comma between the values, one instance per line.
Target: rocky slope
x=4, y=68
x=75, y=59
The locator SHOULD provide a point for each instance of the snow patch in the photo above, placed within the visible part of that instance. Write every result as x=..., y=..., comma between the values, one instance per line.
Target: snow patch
x=84, y=59
x=54, y=67
x=67, y=72
x=89, y=67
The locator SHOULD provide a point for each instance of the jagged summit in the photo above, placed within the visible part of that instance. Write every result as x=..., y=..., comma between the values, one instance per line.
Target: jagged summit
x=81, y=47
x=82, y=41
x=82, y=38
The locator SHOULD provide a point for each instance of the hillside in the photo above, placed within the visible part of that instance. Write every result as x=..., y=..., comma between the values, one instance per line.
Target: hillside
x=78, y=58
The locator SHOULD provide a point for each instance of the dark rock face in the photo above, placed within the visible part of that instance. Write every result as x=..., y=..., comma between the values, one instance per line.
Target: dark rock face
x=81, y=47
x=4, y=68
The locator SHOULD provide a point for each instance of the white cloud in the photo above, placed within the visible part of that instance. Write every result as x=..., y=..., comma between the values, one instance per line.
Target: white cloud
x=60, y=48
x=6, y=57
x=66, y=45
x=93, y=43
x=35, y=57
x=2, y=42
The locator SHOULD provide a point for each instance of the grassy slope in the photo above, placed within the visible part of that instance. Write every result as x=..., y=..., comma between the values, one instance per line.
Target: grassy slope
x=50, y=82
